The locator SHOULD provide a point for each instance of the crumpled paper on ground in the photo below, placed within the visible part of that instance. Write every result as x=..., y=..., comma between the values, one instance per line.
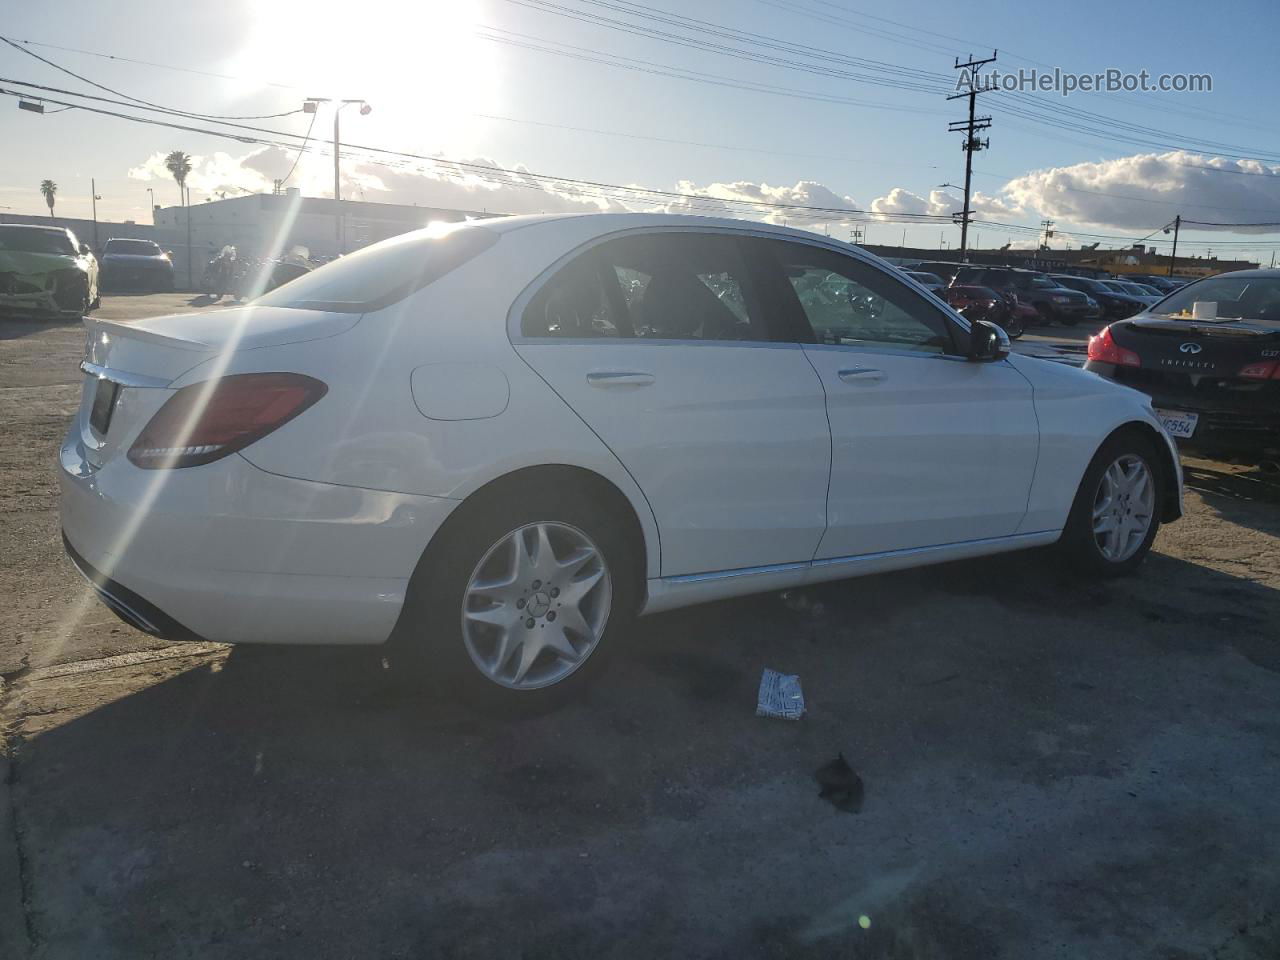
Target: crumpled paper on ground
x=780, y=696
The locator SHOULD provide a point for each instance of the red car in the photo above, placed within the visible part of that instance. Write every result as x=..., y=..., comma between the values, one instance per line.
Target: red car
x=983, y=303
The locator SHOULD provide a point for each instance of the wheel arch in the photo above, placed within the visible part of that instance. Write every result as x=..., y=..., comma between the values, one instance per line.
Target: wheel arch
x=1170, y=474
x=557, y=477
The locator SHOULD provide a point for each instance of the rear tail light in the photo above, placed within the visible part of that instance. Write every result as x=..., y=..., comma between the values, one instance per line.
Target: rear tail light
x=1262, y=370
x=210, y=420
x=1104, y=349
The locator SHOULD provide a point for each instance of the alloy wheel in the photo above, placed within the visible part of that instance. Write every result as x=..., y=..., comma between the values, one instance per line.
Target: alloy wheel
x=536, y=605
x=1123, y=508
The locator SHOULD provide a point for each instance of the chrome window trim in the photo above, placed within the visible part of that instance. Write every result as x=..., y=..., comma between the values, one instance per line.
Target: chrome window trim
x=517, y=308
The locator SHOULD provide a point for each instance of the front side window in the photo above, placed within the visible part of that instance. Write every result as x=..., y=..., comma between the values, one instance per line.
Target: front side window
x=851, y=303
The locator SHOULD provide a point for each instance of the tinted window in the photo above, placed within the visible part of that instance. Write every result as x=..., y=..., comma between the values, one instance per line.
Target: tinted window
x=1253, y=298
x=854, y=304
x=575, y=303
x=384, y=273
x=135, y=248
x=28, y=240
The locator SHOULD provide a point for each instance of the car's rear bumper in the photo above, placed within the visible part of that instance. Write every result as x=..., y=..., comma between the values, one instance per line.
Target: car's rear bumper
x=230, y=553
x=1229, y=427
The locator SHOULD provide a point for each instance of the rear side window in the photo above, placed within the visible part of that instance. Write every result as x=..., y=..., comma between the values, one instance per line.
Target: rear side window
x=660, y=286
x=383, y=274
x=576, y=304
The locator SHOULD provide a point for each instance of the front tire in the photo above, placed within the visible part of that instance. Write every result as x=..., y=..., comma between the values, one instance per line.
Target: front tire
x=520, y=605
x=1014, y=326
x=1116, y=513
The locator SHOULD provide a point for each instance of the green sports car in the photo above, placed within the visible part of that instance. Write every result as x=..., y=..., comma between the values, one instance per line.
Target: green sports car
x=46, y=272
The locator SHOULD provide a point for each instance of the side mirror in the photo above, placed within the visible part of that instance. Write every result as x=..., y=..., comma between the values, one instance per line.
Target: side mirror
x=987, y=342
x=84, y=248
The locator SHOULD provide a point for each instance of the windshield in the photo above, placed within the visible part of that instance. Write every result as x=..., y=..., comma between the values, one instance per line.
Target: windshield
x=927, y=278
x=135, y=248
x=384, y=273
x=1227, y=298
x=27, y=240
x=1113, y=286
x=1041, y=282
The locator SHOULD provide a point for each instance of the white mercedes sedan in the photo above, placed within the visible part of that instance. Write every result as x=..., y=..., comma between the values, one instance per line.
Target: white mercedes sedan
x=495, y=444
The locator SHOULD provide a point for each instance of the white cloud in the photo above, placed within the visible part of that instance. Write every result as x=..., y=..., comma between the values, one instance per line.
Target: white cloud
x=1143, y=191
x=1132, y=193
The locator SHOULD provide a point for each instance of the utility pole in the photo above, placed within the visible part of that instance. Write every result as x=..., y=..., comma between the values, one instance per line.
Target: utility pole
x=855, y=236
x=310, y=105
x=971, y=143
x=93, y=193
x=151, y=202
x=1173, y=257
x=1048, y=233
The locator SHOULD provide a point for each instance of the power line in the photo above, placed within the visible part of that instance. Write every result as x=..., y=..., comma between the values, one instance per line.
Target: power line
x=589, y=187
x=209, y=116
x=161, y=66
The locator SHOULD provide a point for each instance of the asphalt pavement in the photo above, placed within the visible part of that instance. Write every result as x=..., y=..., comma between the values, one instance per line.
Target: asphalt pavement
x=1051, y=767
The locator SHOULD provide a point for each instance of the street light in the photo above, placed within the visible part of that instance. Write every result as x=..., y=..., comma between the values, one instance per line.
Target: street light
x=311, y=105
x=93, y=193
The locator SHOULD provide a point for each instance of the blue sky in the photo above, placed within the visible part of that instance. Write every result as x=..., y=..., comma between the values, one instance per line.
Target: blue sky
x=435, y=84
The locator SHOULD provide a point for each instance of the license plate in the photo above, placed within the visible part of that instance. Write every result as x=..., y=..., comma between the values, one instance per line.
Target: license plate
x=104, y=404
x=1178, y=424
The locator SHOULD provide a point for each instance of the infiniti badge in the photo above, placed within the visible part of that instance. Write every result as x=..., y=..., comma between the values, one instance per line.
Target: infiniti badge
x=1190, y=348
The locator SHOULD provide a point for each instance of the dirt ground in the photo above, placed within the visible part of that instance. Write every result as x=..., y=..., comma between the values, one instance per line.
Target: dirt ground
x=1052, y=767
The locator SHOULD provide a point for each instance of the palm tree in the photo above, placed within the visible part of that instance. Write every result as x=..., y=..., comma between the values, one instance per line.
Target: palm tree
x=50, y=191
x=179, y=164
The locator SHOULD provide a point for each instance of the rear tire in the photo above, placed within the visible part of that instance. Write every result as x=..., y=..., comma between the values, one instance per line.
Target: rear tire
x=1116, y=513
x=468, y=629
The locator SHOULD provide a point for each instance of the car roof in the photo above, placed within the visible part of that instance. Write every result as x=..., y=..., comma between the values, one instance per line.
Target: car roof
x=605, y=223
x=1262, y=274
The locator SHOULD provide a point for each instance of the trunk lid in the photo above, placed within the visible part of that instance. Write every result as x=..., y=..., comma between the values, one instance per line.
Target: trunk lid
x=128, y=365
x=1196, y=365
x=1188, y=348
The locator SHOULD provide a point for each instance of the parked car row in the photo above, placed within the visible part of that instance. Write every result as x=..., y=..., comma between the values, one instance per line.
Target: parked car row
x=1030, y=296
x=48, y=272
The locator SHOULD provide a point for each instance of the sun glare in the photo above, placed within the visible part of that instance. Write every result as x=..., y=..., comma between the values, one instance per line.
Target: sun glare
x=419, y=64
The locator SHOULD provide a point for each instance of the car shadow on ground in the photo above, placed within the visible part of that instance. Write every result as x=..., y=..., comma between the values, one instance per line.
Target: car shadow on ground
x=300, y=802
x=15, y=328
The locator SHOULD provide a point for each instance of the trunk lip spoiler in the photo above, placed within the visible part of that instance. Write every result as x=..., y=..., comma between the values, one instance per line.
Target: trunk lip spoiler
x=121, y=377
x=96, y=325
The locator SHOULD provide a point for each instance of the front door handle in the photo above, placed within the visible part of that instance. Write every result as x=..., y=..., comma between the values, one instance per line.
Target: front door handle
x=860, y=374
x=620, y=378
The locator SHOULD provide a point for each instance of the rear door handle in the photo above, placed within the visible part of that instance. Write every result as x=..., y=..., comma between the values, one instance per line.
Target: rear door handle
x=620, y=378
x=860, y=374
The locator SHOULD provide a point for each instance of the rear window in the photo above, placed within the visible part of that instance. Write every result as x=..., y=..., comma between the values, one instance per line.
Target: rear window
x=1233, y=298
x=382, y=274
